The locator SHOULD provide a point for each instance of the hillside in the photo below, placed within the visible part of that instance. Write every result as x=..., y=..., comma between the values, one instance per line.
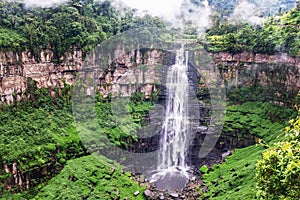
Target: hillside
x=278, y=34
x=77, y=24
x=267, y=7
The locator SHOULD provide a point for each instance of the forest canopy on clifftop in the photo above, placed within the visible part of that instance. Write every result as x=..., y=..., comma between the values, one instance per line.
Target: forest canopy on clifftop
x=80, y=24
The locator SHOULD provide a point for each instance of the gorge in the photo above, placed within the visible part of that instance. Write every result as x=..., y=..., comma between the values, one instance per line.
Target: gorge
x=95, y=105
x=152, y=57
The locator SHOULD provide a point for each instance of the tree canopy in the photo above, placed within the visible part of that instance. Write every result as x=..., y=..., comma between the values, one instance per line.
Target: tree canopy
x=76, y=24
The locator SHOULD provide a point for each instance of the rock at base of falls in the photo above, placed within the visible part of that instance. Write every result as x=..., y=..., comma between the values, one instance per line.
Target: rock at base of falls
x=172, y=182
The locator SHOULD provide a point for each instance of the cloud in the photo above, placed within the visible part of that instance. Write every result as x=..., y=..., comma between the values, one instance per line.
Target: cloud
x=246, y=12
x=43, y=3
x=177, y=12
x=198, y=14
x=163, y=8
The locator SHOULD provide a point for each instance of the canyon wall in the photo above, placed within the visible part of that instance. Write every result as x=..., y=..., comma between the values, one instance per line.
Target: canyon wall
x=230, y=63
x=127, y=72
x=16, y=69
x=137, y=70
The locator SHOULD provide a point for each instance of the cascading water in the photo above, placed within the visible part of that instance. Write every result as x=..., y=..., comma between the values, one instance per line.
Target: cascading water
x=172, y=169
x=176, y=119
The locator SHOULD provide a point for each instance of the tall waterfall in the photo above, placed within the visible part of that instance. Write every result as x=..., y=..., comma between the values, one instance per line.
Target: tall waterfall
x=175, y=129
x=172, y=170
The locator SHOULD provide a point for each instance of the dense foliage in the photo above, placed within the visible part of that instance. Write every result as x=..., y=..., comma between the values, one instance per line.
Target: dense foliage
x=11, y=40
x=226, y=7
x=76, y=24
x=278, y=172
x=41, y=133
x=263, y=120
x=278, y=34
x=121, y=129
x=235, y=179
x=38, y=134
x=91, y=177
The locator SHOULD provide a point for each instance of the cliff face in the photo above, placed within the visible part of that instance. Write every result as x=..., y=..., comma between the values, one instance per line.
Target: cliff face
x=129, y=68
x=130, y=72
x=17, y=68
x=247, y=60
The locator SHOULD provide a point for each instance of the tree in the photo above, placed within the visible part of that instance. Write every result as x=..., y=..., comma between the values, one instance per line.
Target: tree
x=278, y=172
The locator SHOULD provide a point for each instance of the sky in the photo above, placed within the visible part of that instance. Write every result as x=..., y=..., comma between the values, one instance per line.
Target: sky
x=43, y=3
x=162, y=8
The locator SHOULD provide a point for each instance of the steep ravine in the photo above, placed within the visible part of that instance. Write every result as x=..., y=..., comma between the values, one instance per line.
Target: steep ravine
x=16, y=69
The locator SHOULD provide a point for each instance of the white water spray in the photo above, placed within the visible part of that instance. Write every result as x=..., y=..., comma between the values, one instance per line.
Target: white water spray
x=175, y=129
x=172, y=168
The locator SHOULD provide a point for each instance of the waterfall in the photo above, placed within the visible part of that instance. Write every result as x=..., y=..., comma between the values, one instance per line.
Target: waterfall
x=172, y=170
x=175, y=129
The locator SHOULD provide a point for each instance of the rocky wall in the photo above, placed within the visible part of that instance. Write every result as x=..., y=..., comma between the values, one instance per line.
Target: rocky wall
x=232, y=63
x=136, y=70
x=130, y=72
x=17, y=68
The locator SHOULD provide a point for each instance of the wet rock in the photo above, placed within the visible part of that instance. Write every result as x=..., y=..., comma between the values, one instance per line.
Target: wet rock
x=174, y=194
x=142, y=179
x=112, y=170
x=205, y=189
x=192, y=186
x=136, y=193
x=148, y=194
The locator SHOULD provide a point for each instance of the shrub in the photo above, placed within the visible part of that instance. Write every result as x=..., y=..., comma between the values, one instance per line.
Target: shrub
x=278, y=172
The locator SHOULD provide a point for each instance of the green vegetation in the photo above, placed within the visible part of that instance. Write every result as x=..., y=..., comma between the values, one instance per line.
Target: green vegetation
x=263, y=120
x=91, y=177
x=119, y=120
x=278, y=172
x=278, y=34
x=76, y=24
x=38, y=134
x=235, y=179
x=41, y=133
x=11, y=40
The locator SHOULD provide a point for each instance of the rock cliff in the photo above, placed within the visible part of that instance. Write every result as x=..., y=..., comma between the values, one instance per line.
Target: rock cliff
x=245, y=60
x=17, y=68
x=129, y=70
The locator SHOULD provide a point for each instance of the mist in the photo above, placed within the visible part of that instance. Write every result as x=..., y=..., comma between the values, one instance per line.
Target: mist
x=176, y=12
x=165, y=9
x=43, y=4
x=247, y=12
x=181, y=12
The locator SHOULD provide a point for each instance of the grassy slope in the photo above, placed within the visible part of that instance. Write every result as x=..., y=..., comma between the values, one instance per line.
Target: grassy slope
x=91, y=177
x=36, y=135
x=235, y=179
x=31, y=136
